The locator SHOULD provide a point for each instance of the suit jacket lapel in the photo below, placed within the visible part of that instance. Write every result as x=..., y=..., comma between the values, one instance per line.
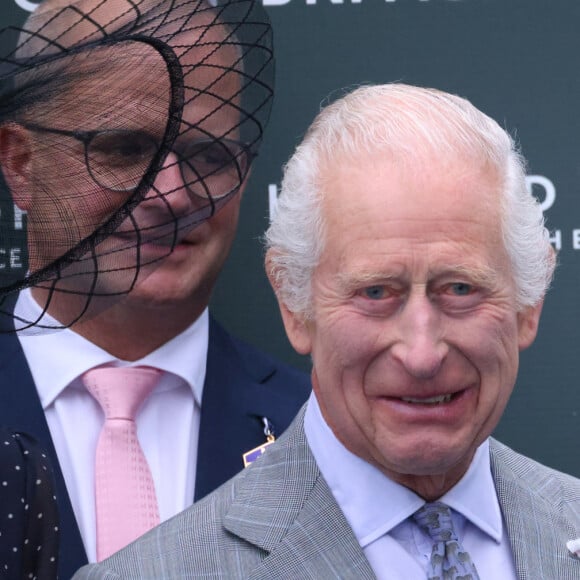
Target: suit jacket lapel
x=320, y=544
x=537, y=529
x=21, y=410
x=286, y=508
x=234, y=402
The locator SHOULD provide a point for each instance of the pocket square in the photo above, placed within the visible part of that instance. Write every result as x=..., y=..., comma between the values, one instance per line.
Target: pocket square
x=574, y=546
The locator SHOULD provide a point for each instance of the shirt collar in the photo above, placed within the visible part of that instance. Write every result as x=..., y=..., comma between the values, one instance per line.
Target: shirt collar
x=474, y=495
x=374, y=504
x=48, y=353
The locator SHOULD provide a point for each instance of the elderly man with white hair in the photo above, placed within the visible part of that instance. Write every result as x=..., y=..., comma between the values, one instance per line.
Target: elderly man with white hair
x=410, y=261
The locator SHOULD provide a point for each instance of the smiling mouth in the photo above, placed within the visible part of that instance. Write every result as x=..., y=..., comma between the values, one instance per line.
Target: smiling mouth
x=439, y=400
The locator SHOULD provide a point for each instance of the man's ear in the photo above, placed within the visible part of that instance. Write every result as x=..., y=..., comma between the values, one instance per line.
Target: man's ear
x=297, y=327
x=528, y=321
x=15, y=159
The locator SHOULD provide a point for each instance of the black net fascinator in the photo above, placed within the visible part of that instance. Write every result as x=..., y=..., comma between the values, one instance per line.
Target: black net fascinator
x=124, y=124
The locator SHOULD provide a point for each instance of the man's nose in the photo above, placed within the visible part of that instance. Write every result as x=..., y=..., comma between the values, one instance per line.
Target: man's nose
x=169, y=189
x=420, y=346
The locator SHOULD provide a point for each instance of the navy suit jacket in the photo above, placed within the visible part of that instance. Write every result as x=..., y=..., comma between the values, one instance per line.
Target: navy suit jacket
x=242, y=385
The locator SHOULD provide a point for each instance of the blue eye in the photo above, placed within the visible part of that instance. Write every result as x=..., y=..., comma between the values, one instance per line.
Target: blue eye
x=461, y=289
x=375, y=292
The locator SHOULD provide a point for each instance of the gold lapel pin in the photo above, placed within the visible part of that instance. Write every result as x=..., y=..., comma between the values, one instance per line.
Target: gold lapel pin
x=250, y=456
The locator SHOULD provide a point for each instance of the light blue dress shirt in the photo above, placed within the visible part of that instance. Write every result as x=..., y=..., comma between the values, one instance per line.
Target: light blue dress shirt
x=378, y=509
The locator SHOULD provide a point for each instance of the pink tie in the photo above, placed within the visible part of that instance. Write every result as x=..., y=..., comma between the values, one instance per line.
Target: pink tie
x=126, y=503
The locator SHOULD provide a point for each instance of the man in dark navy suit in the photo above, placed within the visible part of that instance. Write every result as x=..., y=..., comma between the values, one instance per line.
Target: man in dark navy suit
x=217, y=398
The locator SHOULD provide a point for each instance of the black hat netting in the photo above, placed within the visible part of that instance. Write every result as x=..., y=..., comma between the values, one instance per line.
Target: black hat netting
x=109, y=111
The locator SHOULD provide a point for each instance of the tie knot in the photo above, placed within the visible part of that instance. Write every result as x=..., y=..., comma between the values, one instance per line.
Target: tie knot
x=435, y=519
x=121, y=391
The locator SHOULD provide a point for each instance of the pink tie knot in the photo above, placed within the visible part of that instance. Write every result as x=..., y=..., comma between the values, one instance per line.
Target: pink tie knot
x=121, y=391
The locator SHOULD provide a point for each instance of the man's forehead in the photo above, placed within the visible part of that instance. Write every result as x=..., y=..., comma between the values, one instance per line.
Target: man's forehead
x=71, y=23
x=424, y=167
x=106, y=79
x=114, y=78
x=380, y=198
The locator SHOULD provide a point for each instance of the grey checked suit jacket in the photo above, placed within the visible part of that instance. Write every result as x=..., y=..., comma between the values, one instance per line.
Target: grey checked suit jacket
x=278, y=520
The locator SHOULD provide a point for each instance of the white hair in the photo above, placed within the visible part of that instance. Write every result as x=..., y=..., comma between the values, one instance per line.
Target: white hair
x=406, y=122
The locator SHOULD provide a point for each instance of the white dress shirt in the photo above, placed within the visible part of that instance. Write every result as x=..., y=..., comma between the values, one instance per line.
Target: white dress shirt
x=378, y=509
x=167, y=424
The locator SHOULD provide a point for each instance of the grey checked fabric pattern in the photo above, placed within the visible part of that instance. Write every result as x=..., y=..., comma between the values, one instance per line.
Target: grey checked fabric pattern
x=449, y=561
x=279, y=520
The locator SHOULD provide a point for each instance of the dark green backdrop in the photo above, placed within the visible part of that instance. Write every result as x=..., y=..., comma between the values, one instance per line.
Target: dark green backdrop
x=514, y=59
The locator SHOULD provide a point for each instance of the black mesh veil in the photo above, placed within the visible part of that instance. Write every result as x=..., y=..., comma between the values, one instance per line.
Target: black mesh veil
x=124, y=124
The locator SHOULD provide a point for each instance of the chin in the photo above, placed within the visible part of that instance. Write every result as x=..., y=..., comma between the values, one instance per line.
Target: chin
x=429, y=458
x=158, y=297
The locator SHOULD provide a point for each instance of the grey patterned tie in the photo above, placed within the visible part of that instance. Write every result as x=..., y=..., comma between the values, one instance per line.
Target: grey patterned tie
x=449, y=561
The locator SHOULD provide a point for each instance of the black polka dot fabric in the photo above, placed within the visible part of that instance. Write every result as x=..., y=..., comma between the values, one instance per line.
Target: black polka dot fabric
x=28, y=510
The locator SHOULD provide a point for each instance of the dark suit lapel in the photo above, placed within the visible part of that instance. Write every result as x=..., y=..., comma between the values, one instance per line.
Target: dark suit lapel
x=21, y=410
x=234, y=401
x=285, y=507
x=537, y=529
